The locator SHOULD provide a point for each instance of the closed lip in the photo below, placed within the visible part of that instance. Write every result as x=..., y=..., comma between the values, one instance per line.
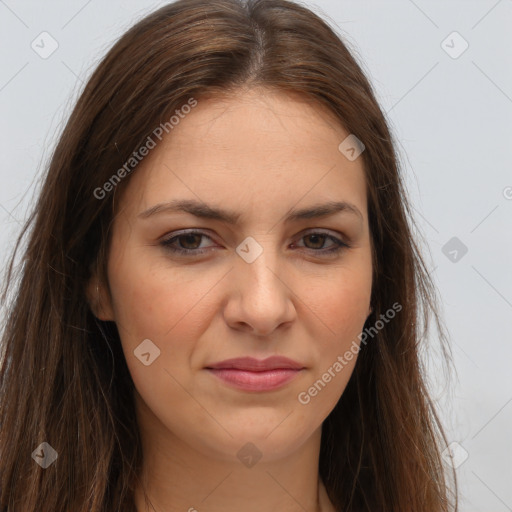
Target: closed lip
x=256, y=365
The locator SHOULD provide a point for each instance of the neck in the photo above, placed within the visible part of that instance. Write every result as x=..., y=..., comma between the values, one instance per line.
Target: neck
x=177, y=476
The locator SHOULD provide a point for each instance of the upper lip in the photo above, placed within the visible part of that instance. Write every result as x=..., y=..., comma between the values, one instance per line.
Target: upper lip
x=252, y=364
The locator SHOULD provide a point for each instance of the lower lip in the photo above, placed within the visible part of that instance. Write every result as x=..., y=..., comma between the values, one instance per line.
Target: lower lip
x=256, y=381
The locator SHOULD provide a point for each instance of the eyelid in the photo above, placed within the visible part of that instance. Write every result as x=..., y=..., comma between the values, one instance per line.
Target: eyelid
x=204, y=232
x=338, y=240
x=327, y=232
x=183, y=232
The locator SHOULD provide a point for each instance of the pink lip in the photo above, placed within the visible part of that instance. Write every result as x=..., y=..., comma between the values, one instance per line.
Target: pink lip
x=255, y=365
x=252, y=374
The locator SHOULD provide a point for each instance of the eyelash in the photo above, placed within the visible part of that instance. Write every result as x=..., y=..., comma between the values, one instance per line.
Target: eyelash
x=167, y=244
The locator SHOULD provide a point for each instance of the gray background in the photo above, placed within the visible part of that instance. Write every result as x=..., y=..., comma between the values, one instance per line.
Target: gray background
x=453, y=120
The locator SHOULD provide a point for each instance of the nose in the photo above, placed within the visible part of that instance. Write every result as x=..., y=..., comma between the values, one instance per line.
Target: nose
x=260, y=298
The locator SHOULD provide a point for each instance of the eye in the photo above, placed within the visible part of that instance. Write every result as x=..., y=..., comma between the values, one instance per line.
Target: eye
x=317, y=240
x=189, y=243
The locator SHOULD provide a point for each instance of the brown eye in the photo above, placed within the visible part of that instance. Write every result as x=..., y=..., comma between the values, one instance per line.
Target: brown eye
x=189, y=241
x=317, y=240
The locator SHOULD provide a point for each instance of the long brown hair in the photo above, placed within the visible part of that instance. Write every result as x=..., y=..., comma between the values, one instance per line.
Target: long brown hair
x=63, y=378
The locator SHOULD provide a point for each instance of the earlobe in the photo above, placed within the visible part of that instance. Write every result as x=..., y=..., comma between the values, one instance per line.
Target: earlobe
x=99, y=300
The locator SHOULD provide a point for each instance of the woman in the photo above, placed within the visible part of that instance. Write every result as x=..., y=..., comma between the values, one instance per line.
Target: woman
x=220, y=298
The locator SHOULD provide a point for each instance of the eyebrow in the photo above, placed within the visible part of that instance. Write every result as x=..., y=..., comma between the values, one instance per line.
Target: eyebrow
x=205, y=211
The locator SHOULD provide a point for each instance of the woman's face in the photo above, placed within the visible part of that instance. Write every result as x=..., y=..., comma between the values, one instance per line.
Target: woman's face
x=261, y=283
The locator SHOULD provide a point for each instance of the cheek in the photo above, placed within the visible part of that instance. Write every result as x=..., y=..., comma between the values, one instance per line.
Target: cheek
x=343, y=309
x=164, y=304
x=340, y=302
x=168, y=307
x=148, y=299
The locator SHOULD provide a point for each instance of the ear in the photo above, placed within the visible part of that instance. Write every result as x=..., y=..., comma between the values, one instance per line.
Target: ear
x=100, y=302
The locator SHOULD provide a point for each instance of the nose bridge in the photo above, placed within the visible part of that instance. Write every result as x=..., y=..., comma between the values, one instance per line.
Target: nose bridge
x=258, y=261
x=263, y=301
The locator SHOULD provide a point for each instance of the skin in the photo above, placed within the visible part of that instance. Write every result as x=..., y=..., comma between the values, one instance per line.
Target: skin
x=261, y=154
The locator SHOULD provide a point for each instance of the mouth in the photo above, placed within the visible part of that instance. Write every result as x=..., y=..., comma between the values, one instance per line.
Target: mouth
x=251, y=374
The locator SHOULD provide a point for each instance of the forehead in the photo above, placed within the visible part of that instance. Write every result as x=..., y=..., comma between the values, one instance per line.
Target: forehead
x=258, y=149
x=258, y=122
